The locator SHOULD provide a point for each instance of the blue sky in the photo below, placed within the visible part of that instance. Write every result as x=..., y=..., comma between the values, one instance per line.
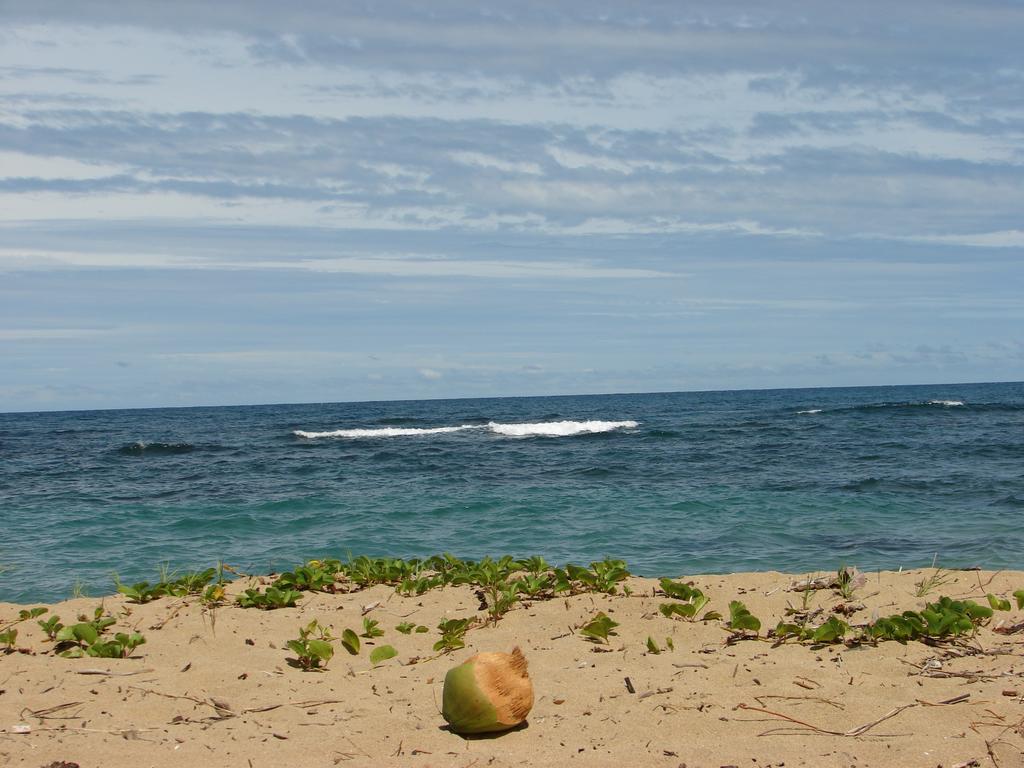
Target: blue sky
x=220, y=203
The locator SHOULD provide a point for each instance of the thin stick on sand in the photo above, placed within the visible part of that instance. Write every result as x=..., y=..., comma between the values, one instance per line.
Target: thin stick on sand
x=853, y=732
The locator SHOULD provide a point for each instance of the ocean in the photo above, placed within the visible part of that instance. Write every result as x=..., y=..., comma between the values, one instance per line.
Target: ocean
x=673, y=483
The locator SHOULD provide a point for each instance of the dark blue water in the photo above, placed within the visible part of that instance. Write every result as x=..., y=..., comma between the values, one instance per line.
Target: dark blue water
x=788, y=479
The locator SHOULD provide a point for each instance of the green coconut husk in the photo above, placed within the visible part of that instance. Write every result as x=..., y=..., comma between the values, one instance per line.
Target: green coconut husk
x=488, y=692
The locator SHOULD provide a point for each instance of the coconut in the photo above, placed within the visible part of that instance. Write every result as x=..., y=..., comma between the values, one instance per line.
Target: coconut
x=489, y=692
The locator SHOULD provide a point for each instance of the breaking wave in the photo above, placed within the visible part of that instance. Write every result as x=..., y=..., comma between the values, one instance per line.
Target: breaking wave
x=382, y=432
x=558, y=428
x=538, y=429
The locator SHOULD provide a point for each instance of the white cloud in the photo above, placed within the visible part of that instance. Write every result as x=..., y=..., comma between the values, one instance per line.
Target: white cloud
x=1007, y=238
x=430, y=374
x=482, y=160
x=258, y=357
x=22, y=165
x=42, y=334
x=406, y=265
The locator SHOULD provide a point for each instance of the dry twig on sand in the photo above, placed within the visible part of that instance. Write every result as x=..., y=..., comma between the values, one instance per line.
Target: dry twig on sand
x=853, y=732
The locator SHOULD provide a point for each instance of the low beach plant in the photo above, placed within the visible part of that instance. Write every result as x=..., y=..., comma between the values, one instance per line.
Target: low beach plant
x=535, y=566
x=494, y=577
x=692, y=601
x=313, y=648
x=191, y=583
x=598, y=629
x=932, y=582
x=213, y=596
x=78, y=590
x=270, y=600
x=502, y=600
x=607, y=574
x=942, y=620
x=601, y=576
x=314, y=576
x=453, y=635
x=85, y=638
x=1019, y=597
x=534, y=585
x=27, y=614
x=833, y=630
x=446, y=566
x=140, y=592
x=365, y=572
x=406, y=627
x=806, y=598
x=848, y=580
x=998, y=603
x=419, y=586
x=7, y=638
x=371, y=628
x=51, y=626
x=120, y=647
x=741, y=620
x=9, y=633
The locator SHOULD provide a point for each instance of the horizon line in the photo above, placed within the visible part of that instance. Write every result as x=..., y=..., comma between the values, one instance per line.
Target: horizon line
x=509, y=397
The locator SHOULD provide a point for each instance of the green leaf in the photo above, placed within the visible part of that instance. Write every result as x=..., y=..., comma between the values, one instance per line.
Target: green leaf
x=832, y=631
x=784, y=630
x=686, y=610
x=998, y=603
x=322, y=649
x=370, y=628
x=678, y=590
x=652, y=646
x=741, y=619
x=449, y=644
x=976, y=612
x=86, y=633
x=599, y=627
x=350, y=640
x=383, y=653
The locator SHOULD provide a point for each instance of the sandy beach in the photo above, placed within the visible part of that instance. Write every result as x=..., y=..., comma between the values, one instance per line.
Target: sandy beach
x=215, y=687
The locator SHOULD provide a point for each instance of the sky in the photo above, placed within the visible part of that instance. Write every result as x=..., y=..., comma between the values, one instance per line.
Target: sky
x=263, y=202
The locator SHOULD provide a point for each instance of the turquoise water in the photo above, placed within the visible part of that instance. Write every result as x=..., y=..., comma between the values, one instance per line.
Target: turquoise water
x=674, y=483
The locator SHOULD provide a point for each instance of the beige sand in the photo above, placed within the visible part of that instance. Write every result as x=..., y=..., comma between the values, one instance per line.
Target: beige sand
x=216, y=690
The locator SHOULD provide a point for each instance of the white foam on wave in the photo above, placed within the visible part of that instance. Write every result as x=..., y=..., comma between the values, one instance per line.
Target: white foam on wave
x=947, y=403
x=538, y=429
x=559, y=428
x=384, y=432
x=812, y=410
